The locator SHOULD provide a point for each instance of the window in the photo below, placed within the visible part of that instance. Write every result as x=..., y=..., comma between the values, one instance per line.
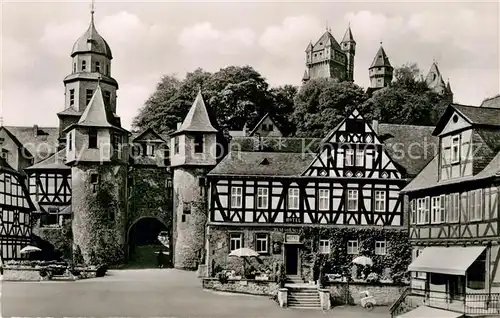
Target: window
x=235, y=241
x=355, y=126
x=94, y=180
x=166, y=157
x=324, y=199
x=423, y=210
x=379, y=201
x=437, y=209
x=380, y=248
x=97, y=66
x=236, y=193
x=74, y=67
x=262, y=198
x=455, y=149
x=293, y=198
x=413, y=207
x=324, y=246
x=107, y=69
x=51, y=218
x=176, y=145
x=107, y=98
x=352, y=247
x=262, y=243
x=116, y=141
x=88, y=95
x=71, y=97
x=84, y=65
x=70, y=140
x=92, y=138
x=150, y=150
x=487, y=205
x=349, y=157
x=475, y=202
x=360, y=157
x=352, y=200
x=8, y=184
x=443, y=209
x=198, y=143
x=5, y=154
x=454, y=207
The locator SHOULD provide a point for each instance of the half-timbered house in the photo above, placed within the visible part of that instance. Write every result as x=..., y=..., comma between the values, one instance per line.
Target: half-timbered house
x=454, y=224
x=15, y=213
x=268, y=200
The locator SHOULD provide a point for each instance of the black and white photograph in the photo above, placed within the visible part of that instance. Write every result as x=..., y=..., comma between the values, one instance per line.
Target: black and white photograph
x=244, y=159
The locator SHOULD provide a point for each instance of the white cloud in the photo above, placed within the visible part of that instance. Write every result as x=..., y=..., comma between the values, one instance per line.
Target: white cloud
x=292, y=36
x=58, y=39
x=203, y=38
x=16, y=57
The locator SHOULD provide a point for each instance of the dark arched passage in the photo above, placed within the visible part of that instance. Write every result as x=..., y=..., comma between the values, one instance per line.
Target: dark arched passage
x=143, y=243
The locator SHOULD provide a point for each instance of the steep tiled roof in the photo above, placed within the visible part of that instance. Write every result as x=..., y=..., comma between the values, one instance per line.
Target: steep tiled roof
x=411, y=147
x=6, y=168
x=54, y=162
x=41, y=142
x=381, y=59
x=262, y=163
x=197, y=119
x=325, y=40
x=492, y=102
x=348, y=36
x=480, y=115
x=275, y=144
x=96, y=113
x=159, y=138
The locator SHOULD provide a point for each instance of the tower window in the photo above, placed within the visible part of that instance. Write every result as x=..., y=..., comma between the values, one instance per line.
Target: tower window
x=176, y=145
x=107, y=98
x=71, y=97
x=92, y=138
x=198, y=143
x=89, y=94
x=107, y=69
x=97, y=67
x=94, y=180
x=84, y=65
x=70, y=140
x=74, y=67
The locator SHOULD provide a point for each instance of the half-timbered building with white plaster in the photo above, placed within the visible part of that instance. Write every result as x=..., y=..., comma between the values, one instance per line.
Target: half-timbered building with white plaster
x=265, y=200
x=15, y=213
x=454, y=224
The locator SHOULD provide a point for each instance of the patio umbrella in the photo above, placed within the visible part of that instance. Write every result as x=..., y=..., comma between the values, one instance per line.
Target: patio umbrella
x=29, y=249
x=363, y=260
x=244, y=252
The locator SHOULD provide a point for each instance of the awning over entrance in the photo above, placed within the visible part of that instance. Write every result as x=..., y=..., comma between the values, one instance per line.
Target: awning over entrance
x=428, y=312
x=453, y=260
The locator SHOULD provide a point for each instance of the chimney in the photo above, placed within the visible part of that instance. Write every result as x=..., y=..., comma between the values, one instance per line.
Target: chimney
x=35, y=130
x=179, y=124
x=375, y=126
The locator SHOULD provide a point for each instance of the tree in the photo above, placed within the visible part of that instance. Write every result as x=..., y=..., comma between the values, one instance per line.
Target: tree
x=322, y=103
x=236, y=95
x=408, y=100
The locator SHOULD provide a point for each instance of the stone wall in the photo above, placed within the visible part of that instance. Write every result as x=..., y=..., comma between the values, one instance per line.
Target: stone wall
x=254, y=287
x=20, y=273
x=55, y=242
x=385, y=293
x=99, y=218
x=189, y=217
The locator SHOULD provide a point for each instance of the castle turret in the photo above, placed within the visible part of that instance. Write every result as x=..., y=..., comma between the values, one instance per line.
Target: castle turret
x=326, y=59
x=380, y=70
x=348, y=46
x=435, y=82
x=91, y=62
x=97, y=153
x=193, y=155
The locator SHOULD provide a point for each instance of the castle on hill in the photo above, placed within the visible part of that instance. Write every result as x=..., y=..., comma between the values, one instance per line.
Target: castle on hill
x=327, y=58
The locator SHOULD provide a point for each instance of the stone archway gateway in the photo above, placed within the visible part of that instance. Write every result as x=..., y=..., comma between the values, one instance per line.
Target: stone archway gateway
x=144, y=245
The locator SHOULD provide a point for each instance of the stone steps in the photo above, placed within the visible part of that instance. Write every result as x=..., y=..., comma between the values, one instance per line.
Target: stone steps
x=303, y=298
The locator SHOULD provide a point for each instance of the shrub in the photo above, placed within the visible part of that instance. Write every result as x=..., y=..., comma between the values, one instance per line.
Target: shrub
x=373, y=278
x=282, y=276
x=223, y=279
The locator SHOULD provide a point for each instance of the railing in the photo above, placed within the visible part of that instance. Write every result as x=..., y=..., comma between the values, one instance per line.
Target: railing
x=401, y=305
x=470, y=304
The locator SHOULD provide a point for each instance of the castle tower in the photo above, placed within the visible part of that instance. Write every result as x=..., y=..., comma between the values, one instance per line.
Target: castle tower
x=435, y=82
x=325, y=59
x=380, y=70
x=91, y=62
x=97, y=152
x=348, y=45
x=193, y=155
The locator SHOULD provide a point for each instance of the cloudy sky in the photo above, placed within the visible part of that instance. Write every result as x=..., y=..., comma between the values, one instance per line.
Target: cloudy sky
x=149, y=39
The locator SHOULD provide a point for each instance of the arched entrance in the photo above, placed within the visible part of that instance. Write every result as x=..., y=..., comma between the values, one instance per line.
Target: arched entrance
x=144, y=246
